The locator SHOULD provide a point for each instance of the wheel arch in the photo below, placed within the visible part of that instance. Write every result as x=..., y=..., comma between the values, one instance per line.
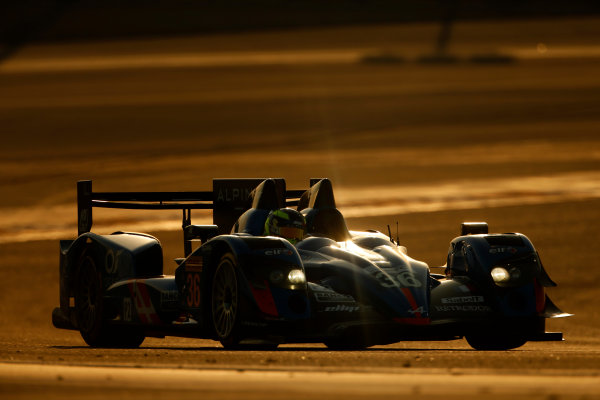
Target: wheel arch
x=211, y=253
x=213, y=250
x=251, y=256
x=243, y=247
x=117, y=256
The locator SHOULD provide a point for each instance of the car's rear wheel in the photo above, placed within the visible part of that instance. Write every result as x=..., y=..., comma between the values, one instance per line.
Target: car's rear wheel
x=90, y=313
x=495, y=342
x=225, y=302
x=89, y=305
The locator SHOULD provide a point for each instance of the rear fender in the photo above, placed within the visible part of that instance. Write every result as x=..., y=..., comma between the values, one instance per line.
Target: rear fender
x=118, y=256
x=72, y=253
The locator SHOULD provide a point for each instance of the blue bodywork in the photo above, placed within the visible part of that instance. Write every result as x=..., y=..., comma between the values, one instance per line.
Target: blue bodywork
x=344, y=288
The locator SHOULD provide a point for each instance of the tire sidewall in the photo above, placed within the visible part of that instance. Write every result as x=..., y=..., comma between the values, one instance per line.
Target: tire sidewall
x=89, y=279
x=495, y=343
x=233, y=337
x=97, y=332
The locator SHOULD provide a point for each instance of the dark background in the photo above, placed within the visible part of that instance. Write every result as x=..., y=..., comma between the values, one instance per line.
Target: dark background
x=35, y=20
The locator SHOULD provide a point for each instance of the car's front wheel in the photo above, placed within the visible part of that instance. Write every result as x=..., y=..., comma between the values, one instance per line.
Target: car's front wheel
x=495, y=342
x=225, y=302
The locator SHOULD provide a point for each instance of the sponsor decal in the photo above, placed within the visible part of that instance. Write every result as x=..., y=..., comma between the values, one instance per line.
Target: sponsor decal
x=461, y=308
x=276, y=252
x=394, y=277
x=233, y=194
x=110, y=265
x=127, y=309
x=416, y=311
x=332, y=297
x=111, y=260
x=464, y=299
x=143, y=303
x=254, y=324
x=170, y=296
x=499, y=250
x=341, y=307
x=192, y=283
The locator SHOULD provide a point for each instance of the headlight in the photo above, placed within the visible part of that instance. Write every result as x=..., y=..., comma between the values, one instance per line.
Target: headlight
x=296, y=277
x=500, y=275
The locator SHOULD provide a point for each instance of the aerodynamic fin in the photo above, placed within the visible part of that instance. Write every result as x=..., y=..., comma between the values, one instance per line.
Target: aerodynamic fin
x=544, y=278
x=552, y=311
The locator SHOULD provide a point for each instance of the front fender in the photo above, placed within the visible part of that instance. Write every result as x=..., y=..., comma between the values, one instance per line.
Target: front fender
x=257, y=257
x=523, y=295
x=263, y=265
x=395, y=284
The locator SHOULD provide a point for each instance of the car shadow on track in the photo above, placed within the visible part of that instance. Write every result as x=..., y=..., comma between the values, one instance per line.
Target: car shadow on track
x=279, y=350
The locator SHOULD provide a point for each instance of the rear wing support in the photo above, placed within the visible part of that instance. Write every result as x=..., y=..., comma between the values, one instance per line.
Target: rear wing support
x=228, y=200
x=88, y=199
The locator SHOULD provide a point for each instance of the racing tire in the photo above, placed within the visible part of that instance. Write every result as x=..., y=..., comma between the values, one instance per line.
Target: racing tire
x=126, y=338
x=225, y=303
x=265, y=346
x=89, y=312
x=88, y=304
x=495, y=343
x=350, y=340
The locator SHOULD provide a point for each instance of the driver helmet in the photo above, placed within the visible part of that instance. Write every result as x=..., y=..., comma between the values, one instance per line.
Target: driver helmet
x=286, y=223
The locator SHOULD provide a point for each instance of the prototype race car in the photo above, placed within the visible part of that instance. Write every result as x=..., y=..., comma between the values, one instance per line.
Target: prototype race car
x=346, y=289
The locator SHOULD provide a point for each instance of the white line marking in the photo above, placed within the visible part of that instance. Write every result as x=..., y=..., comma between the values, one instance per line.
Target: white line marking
x=298, y=381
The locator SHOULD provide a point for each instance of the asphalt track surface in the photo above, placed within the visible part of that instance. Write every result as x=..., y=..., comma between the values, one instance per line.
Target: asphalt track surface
x=515, y=143
x=171, y=367
x=167, y=382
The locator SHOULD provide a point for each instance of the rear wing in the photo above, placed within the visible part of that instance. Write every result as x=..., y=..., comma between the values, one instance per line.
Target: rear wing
x=228, y=200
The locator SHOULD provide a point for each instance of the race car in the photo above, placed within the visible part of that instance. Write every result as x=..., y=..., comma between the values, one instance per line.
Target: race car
x=250, y=287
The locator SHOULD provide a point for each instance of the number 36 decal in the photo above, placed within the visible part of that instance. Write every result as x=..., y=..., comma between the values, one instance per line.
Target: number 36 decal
x=401, y=279
x=193, y=289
